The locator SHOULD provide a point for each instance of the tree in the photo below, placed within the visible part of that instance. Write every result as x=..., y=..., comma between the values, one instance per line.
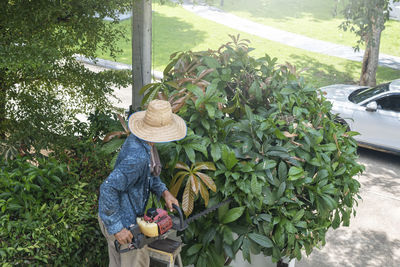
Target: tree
x=277, y=152
x=42, y=86
x=367, y=20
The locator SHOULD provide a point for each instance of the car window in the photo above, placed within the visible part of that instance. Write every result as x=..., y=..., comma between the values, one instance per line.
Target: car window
x=360, y=95
x=390, y=103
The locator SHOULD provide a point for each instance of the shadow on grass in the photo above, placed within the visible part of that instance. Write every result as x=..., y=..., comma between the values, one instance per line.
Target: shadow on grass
x=355, y=248
x=171, y=34
x=283, y=10
x=320, y=74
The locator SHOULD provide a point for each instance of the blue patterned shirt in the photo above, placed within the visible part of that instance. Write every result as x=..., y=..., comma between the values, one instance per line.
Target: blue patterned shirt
x=124, y=194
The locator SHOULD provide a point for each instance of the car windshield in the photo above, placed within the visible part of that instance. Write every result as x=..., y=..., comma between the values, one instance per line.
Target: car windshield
x=361, y=94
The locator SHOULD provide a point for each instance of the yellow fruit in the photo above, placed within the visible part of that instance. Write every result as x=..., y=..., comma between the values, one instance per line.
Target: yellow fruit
x=149, y=229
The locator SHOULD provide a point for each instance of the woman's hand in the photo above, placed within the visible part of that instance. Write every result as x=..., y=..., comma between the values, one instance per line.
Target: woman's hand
x=169, y=200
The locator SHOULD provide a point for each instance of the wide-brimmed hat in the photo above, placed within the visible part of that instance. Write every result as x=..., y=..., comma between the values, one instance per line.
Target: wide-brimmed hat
x=157, y=124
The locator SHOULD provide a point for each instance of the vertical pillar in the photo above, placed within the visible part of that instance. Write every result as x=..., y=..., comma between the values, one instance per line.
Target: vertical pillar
x=141, y=48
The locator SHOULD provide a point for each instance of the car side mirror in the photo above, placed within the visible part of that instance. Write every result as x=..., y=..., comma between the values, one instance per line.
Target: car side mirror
x=372, y=106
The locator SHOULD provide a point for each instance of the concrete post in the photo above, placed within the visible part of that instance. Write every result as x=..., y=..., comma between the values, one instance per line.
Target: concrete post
x=141, y=48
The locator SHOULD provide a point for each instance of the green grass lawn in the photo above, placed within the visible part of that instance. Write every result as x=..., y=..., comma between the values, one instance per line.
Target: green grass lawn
x=175, y=29
x=313, y=18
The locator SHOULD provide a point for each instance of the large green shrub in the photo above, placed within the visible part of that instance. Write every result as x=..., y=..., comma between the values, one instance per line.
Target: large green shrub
x=278, y=152
x=48, y=205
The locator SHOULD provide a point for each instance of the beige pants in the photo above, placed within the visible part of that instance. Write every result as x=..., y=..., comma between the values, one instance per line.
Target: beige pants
x=133, y=258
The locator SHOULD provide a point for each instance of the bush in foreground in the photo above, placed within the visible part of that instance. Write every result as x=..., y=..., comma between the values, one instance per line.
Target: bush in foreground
x=48, y=208
x=277, y=150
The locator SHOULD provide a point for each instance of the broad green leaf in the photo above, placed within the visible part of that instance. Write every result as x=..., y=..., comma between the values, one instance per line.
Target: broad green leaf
x=232, y=215
x=256, y=186
x=195, y=90
x=269, y=164
x=229, y=158
x=281, y=154
x=279, y=134
x=215, y=152
x=295, y=171
x=301, y=224
x=210, y=110
x=205, y=123
x=212, y=87
x=211, y=62
x=322, y=174
x=246, y=249
x=336, y=220
x=249, y=112
x=287, y=91
x=315, y=162
x=330, y=202
x=199, y=147
x=194, y=249
x=340, y=171
x=281, y=189
x=228, y=235
x=261, y=240
x=113, y=145
x=190, y=153
x=209, y=235
x=147, y=86
x=282, y=171
x=290, y=228
x=265, y=217
x=222, y=211
x=237, y=243
x=298, y=215
x=229, y=251
x=328, y=147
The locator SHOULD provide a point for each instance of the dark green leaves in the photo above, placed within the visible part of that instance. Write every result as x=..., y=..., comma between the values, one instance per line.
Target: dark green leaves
x=228, y=157
x=261, y=240
x=232, y=215
x=277, y=150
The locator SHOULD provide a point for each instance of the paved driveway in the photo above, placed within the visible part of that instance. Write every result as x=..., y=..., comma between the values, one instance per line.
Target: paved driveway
x=373, y=238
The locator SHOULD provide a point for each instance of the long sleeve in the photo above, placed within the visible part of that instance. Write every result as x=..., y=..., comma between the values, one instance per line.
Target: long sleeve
x=156, y=186
x=127, y=172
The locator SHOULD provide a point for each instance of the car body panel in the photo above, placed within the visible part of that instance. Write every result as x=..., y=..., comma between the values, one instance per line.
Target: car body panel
x=379, y=128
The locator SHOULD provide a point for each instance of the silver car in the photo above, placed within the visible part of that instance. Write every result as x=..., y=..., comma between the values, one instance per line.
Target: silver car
x=374, y=112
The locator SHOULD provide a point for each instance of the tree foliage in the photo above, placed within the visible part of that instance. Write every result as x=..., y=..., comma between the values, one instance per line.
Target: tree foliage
x=277, y=150
x=42, y=86
x=367, y=20
x=361, y=17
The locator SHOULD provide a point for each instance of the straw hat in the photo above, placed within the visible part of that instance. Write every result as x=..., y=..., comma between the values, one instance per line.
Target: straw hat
x=157, y=124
